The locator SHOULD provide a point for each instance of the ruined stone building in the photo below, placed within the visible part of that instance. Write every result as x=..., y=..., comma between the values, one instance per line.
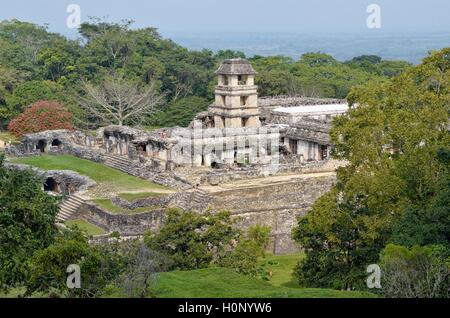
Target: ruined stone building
x=214, y=139
x=265, y=160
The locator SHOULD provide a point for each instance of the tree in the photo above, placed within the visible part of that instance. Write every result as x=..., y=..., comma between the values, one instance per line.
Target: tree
x=259, y=234
x=390, y=138
x=229, y=54
x=100, y=265
x=179, y=113
x=427, y=225
x=116, y=100
x=244, y=257
x=27, y=222
x=141, y=272
x=29, y=92
x=417, y=272
x=191, y=240
x=41, y=116
x=9, y=80
x=375, y=65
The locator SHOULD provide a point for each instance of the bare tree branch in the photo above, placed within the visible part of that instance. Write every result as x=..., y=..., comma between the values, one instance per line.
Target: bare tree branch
x=118, y=101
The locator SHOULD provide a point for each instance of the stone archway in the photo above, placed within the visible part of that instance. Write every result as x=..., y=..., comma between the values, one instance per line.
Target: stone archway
x=215, y=165
x=50, y=185
x=57, y=143
x=41, y=145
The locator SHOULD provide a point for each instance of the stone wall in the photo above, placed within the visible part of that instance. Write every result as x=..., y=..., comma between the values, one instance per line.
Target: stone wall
x=67, y=182
x=125, y=224
x=219, y=176
x=277, y=206
x=161, y=202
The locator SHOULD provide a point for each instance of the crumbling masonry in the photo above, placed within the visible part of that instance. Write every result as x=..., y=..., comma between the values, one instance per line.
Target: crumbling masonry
x=265, y=160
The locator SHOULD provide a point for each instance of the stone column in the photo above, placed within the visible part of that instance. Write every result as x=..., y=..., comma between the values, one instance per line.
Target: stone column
x=197, y=162
x=303, y=149
x=207, y=159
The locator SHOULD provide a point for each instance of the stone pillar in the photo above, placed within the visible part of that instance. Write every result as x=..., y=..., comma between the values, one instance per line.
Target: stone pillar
x=318, y=152
x=218, y=122
x=254, y=121
x=303, y=149
x=197, y=160
x=207, y=159
x=229, y=156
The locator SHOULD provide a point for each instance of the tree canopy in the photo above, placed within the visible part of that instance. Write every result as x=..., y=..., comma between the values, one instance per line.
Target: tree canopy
x=27, y=222
x=39, y=65
x=395, y=140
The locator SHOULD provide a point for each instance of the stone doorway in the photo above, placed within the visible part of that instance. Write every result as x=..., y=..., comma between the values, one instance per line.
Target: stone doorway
x=50, y=185
x=41, y=145
x=57, y=143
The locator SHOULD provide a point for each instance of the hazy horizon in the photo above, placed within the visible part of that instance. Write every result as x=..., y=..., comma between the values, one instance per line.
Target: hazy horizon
x=288, y=27
x=241, y=16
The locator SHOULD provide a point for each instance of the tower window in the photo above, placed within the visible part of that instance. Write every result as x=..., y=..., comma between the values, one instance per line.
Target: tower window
x=244, y=100
x=244, y=122
x=242, y=80
x=225, y=80
x=223, y=100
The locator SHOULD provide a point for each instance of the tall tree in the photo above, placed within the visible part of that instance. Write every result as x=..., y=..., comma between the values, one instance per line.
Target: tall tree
x=391, y=139
x=27, y=222
x=115, y=100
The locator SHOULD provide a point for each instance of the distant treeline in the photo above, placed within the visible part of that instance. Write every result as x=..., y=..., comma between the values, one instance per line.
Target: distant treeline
x=38, y=65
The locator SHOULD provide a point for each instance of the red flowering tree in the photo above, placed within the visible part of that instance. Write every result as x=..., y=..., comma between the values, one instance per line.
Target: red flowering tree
x=40, y=116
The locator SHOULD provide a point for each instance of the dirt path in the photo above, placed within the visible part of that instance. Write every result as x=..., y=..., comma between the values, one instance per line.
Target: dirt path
x=266, y=181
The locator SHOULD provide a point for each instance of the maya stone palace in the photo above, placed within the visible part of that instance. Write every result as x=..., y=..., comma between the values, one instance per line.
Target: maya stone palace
x=264, y=159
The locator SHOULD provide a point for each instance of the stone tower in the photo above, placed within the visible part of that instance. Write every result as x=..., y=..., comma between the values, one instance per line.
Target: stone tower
x=236, y=102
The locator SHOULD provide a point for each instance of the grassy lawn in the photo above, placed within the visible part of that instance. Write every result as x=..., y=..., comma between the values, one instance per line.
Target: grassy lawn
x=96, y=171
x=221, y=282
x=130, y=197
x=226, y=283
x=107, y=205
x=282, y=267
x=87, y=227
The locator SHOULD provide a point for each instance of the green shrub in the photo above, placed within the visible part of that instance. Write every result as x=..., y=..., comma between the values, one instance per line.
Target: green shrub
x=192, y=240
x=244, y=257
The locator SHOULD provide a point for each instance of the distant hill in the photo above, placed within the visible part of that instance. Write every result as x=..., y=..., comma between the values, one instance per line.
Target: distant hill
x=406, y=46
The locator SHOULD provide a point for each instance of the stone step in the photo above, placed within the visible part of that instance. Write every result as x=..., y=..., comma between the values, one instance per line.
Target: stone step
x=67, y=210
x=125, y=161
x=62, y=218
x=72, y=203
x=118, y=167
x=110, y=162
x=76, y=198
x=64, y=215
x=68, y=207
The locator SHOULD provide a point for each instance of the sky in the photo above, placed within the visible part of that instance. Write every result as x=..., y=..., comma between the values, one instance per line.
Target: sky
x=183, y=17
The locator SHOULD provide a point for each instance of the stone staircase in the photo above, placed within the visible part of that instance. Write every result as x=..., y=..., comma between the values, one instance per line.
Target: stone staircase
x=117, y=162
x=136, y=169
x=68, y=207
x=200, y=200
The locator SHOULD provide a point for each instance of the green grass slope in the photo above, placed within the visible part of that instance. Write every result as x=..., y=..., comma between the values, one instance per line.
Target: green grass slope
x=97, y=172
x=87, y=227
x=226, y=283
